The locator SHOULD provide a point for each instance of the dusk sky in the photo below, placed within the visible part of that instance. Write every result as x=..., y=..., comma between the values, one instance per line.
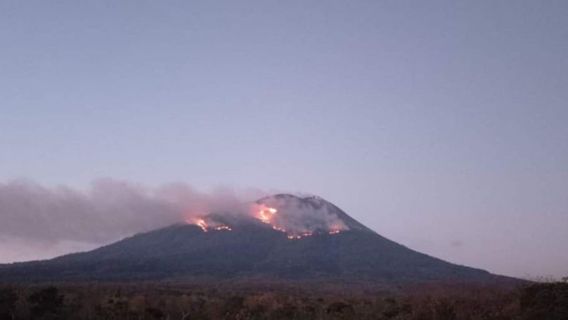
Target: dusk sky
x=442, y=125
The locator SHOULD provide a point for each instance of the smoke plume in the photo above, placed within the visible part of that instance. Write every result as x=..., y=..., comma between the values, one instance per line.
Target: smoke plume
x=42, y=222
x=107, y=211
x=302, y=215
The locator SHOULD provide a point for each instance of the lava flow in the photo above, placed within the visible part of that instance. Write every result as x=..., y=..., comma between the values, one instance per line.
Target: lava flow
x=265, y=214
x=288, y=222
x=268, y=215
x=201, y=223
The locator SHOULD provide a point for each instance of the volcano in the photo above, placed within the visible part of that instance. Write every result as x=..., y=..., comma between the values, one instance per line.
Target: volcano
x=287, y=237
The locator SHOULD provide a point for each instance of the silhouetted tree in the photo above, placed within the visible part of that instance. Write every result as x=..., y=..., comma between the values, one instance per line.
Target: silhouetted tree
x=46, y=304
x=340, y=310
x=8, y=299
x=444, y=310
x=545, y=302
x=154, y=313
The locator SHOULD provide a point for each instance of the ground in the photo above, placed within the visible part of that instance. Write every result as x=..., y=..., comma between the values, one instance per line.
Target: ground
x=176, y=301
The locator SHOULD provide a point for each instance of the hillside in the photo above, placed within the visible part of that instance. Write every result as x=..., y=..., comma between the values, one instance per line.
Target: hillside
x=331, y=247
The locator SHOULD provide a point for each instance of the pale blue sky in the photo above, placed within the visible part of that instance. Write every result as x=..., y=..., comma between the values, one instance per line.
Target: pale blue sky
x=439, y=124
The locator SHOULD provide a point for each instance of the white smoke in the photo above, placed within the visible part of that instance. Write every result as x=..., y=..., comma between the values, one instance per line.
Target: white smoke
x=304, y=215
x=107, y=211
x=42, y=222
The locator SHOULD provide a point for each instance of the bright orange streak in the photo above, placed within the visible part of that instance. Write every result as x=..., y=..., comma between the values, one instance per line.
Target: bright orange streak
x=202, y=224
x=265, y=214
x=279, y=229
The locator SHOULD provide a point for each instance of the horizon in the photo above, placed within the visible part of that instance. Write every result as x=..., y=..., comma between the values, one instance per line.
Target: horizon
x=440, y=126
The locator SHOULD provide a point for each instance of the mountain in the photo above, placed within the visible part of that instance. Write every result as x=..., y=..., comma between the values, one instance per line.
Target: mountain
x=284, y=237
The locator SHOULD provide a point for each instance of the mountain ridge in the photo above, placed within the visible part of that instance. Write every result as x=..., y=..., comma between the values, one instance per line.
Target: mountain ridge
x=258, y=246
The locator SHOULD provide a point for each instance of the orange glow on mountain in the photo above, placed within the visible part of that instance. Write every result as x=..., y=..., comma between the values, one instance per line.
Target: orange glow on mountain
x=300, y=236
x=265, y=213
x=202, y=224
x=269, y=215
x=279, y=229
x=281, y=221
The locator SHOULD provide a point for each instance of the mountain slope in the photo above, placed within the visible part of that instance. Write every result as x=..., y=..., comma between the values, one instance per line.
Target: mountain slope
x=252, y=248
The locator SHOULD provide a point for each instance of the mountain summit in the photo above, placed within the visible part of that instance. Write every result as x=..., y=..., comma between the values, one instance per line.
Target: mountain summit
x=311, y=213
x=285, y=237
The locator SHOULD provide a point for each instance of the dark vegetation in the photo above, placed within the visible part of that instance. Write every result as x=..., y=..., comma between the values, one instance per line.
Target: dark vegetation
x=157, y=301
x=256, y=272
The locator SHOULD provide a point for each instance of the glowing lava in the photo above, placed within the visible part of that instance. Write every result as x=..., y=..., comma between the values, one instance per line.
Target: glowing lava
x=201, y=223
x=268, y=216
x=265, y=214
x=299, y=236
x=280, y=222
x=279, y=229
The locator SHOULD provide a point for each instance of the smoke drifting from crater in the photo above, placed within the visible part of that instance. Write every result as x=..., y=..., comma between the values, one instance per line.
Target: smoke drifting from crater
x=42, y=222
x=107, y=211
x=299, y=216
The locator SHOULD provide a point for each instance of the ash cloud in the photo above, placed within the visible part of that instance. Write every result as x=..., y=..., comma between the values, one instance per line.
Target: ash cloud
x=107, y=211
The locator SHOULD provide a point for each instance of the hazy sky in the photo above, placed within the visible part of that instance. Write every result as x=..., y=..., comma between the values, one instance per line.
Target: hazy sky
x=442, y=125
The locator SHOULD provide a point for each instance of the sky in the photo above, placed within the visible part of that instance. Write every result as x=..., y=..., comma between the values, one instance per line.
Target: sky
x=441, y=125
